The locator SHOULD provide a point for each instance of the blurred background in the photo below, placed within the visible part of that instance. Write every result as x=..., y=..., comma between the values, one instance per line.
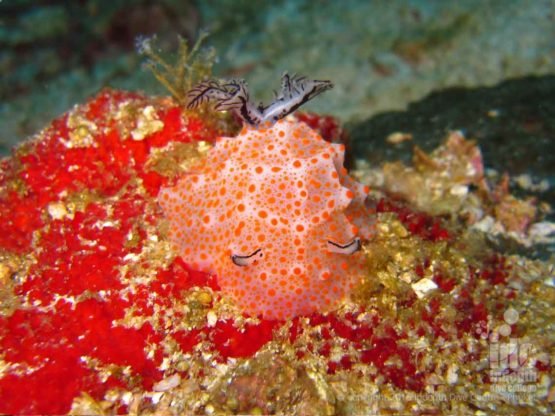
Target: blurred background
x=381, y=54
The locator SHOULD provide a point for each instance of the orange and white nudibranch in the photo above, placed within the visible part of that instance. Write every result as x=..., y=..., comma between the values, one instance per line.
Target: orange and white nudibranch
x=273, y=213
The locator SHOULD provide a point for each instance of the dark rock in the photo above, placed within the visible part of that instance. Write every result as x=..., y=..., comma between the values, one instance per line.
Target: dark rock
x=513, y=123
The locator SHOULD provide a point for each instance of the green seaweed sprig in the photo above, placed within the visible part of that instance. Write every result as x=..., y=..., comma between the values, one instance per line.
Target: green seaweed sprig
x=190, y=67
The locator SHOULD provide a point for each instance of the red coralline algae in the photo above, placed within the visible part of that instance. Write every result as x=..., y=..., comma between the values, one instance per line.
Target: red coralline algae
x=418, y=223
x=71, y=296
x=231, y=342
x=101, y=305
x=328, y=127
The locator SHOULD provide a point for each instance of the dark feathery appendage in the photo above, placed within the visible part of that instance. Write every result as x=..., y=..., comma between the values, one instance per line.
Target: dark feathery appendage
x=203, y=92
x=237, y=96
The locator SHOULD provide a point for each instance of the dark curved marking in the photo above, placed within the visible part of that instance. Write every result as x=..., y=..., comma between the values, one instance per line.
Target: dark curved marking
x=236, y=83
x=307, y=96
x=236, y=98
x=233, y=87
x=240, y=260
x=349, y=249
x=201, y=93
x=224, y=105
x=245, y=112
x=286, y=82
x=230, y=103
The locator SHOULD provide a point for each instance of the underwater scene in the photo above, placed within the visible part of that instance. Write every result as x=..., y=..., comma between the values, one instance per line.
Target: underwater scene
x=296, y=207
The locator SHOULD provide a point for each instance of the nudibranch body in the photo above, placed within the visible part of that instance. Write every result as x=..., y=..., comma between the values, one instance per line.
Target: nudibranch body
x=274, y=214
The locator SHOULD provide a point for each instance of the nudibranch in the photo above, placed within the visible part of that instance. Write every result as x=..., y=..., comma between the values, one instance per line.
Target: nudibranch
x=272, y=212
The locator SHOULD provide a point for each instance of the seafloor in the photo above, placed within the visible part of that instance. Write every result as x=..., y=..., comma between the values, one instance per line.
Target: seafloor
x=454, y=310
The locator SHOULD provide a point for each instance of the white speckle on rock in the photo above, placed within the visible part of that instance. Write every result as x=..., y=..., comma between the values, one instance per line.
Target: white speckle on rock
x=452, y=374
x=542, y=232
x=57, y=211
x=211, y=318
x=485, y=225
x=126, y=397
x=147, y=123
x=167, y=384
x=423, y=286
x=459, y=190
